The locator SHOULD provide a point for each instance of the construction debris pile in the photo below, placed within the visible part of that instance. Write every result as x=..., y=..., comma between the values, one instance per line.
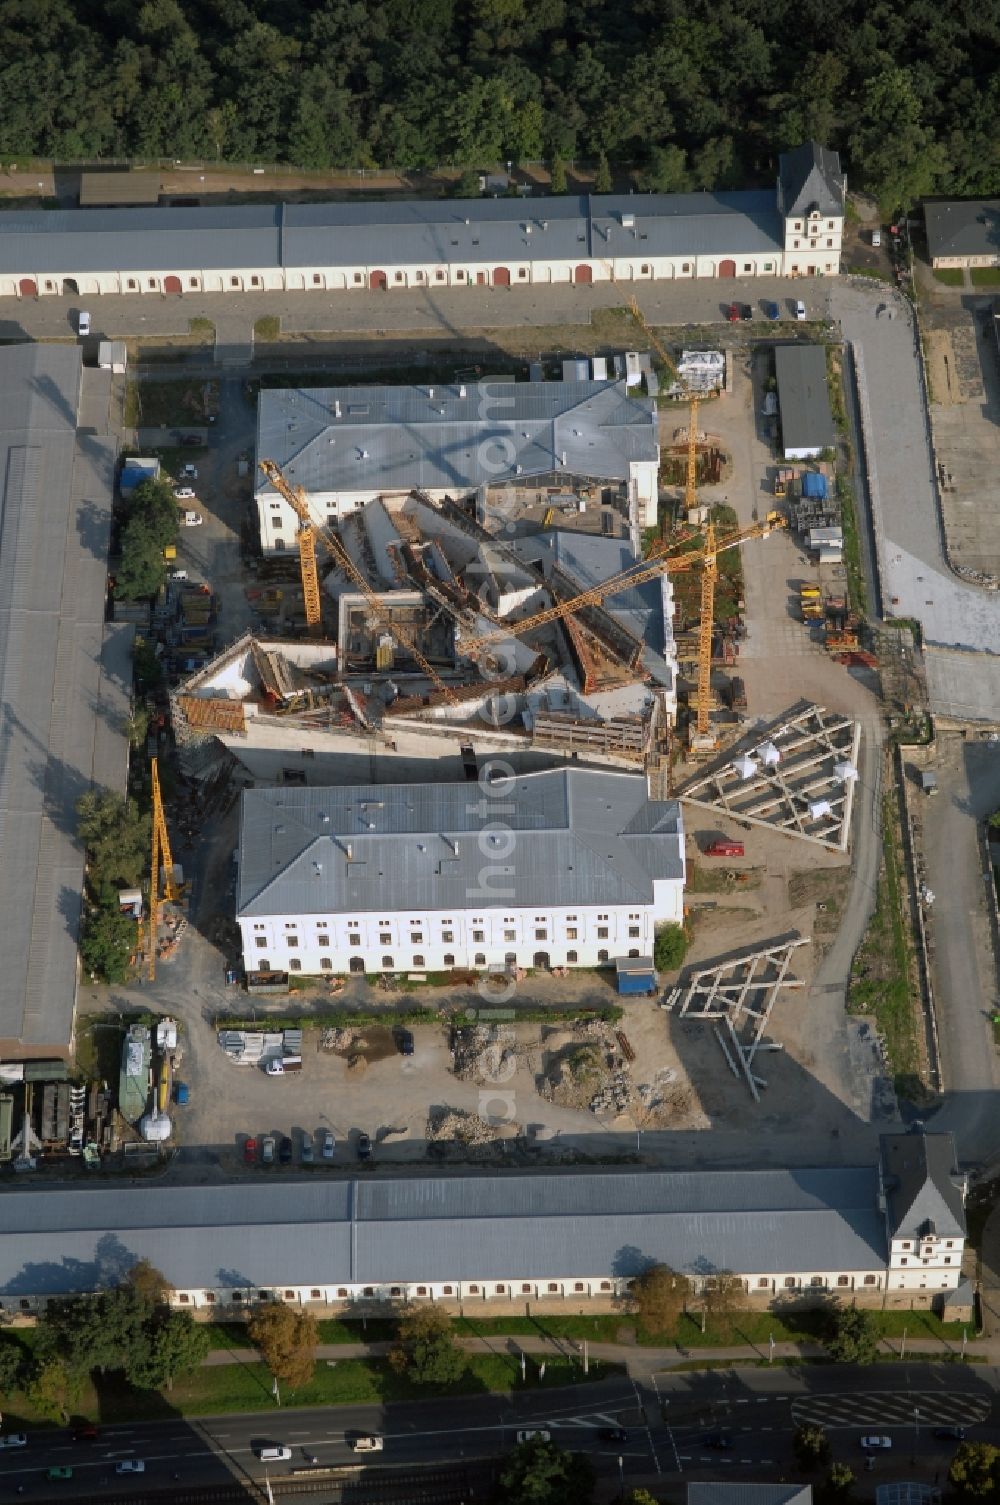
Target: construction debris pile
x=484, y=1053
x=469, y=1135
x=594, y=1072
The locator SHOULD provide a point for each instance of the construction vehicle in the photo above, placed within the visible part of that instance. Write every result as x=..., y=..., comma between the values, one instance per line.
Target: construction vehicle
x=549, y=518
x=725, y=849
x=809, y=592
x=307, y=536
x=161, y=855
x=783, y=479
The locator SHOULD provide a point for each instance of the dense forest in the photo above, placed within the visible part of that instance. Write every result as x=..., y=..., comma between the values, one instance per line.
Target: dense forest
x=690, y=93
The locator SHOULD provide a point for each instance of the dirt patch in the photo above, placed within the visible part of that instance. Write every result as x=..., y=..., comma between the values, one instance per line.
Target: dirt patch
x=372, y=1043
x=720, y=879
x=827, y=890
x=942, y=368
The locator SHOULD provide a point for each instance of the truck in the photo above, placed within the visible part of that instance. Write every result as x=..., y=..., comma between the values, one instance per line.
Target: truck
x=281, y=1066
x=722, y=848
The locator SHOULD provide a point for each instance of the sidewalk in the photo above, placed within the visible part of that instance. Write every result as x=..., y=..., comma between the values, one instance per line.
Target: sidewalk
x=639, y=1362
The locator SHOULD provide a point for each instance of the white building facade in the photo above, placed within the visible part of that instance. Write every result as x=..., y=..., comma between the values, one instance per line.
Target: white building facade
x=793, y=230
x=924, y=1196
x=350, y=446
x=408, y=878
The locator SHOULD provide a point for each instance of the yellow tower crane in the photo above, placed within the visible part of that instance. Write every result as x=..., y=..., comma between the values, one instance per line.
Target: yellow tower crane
x=309, y=532
x=706, y=622
x=637, y=574
x=161, y=856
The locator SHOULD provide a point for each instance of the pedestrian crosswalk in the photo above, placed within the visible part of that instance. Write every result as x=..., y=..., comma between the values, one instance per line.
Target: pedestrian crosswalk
x=882, y=1408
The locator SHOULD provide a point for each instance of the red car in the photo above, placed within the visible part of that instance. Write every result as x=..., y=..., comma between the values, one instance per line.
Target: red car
x=734, y=314
x=250, y=1152
x=86, y=1432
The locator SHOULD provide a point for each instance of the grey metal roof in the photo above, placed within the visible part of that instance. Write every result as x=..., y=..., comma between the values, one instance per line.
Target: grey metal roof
x=809, y=177
x=427, y=1228
x=55, y=520
x=738, y=1493
x=803, y=399
x=398, y=438
x=397, y=232
x=583, y=837
x=963, y=227
x=921, y=1193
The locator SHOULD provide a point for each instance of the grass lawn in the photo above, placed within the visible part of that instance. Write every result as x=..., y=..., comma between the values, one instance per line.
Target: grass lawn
x=985, y=276
x=267, y=328
x=247, y=1387
x=881, y=977
x=951, y=276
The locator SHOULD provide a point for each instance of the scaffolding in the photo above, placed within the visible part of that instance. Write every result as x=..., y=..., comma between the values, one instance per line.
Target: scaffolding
x=736, y=996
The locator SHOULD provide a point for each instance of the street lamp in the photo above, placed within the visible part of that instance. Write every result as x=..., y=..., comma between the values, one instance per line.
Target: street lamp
x=916, y=1432
x=621, y=1475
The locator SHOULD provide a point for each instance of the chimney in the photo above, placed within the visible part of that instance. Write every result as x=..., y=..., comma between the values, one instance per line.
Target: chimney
x=336, y=408
x=462, y=392
x=430, y=391
x=349, y=849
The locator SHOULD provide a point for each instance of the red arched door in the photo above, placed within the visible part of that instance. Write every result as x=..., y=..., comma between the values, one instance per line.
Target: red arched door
x=28, y=288
x=501, y=277
x=378, y=281
x=171, y=284
x=727, y=269
x=583, y=273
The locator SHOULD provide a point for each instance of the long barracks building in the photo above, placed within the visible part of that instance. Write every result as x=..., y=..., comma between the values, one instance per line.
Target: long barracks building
x=794, y=230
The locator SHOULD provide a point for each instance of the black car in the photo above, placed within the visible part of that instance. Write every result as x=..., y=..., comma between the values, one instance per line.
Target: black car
x=719, y=1440
x=614, y=1434
x=364, y=1147
x=404, y=1042
x=285, y=1150
x=746, y=312
x=950, y=1434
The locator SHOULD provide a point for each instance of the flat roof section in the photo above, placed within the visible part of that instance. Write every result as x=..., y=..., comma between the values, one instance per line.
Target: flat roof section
x=803, y=399
x=56, y=693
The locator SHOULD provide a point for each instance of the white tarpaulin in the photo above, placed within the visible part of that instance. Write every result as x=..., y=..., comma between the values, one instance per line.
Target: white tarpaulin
x=746, y=767
x=845, y=772
x=770, y=755
x=819, y=809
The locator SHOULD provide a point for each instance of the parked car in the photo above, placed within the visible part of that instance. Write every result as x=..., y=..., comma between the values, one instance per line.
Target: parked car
x=61, y=1471
x=267, y=1150
x=368, y=1442
x=14, y=1440
x=876, y=238
x=130, y=1466
x=329, y=1145
x=192, y=441
x=614, y=1434
x=189, y=471
x=177, y=576
x=733, y=314
x=184, y=493
x=272, y=1452
x=721, y=1441
x=192, y=520
x=746, y=312
x=530, y=1434
x=800, y=310
x=874, y=1441
x=404, y=1042
x=250, y=1152
x=364, y=1147
x=83, y=322
x=285, y=1150
x=950, y=1434
x=308, y=1151
x=771, y=309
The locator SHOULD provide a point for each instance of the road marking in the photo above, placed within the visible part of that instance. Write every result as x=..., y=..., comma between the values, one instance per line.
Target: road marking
x=746, y=1460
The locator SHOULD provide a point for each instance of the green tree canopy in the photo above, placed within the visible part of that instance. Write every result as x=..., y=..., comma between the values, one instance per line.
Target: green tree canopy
x=854, y=1336
x=426, y=1350
x=107, y=941
x=811, y=1446
x=539, y=1473
x=175, y=1346
x=975, y=1469
x=669, y=948
x=117, y=839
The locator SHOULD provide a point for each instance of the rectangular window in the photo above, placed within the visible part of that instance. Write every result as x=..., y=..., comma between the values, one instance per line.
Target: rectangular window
x=829, y=244
x=384, y=938
x=416, y=938
x=448, y=936
x=634, y=932
x=510, y=935
x=295, y=965
x=261, y=941
x=571, y=934
x=324, y=940
x=326, y=965
x=479, y=935
x=291, y=940
x=358, y=277
x=541, y=935
x=748, y=266
x=355, y=940
x=602, y=932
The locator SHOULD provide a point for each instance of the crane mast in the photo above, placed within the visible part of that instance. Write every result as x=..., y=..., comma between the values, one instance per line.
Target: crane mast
x=296, y=499
x=161, y=856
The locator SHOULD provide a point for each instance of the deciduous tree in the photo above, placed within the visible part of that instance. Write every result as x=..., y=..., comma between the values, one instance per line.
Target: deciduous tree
x=854, y=1336
x=176, y=1345
x=811, y=1446
x=287, y=1342
x=426, y=1350
x=659, y=1295
x=975, y=1469
x=539, y=1473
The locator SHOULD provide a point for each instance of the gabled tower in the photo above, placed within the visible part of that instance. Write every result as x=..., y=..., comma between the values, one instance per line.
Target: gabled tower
x=811, y=194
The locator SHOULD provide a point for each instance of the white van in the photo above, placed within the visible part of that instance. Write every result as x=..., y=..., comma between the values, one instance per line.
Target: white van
x=83, y=324
x=371, y=1443
x=273, y=1452
x=876, y=238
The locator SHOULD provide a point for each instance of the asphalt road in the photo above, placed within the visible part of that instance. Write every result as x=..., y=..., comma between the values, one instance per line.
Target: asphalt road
x=754, y=1411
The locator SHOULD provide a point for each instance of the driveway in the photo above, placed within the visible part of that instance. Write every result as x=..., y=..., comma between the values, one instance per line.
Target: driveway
x=916, y=579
